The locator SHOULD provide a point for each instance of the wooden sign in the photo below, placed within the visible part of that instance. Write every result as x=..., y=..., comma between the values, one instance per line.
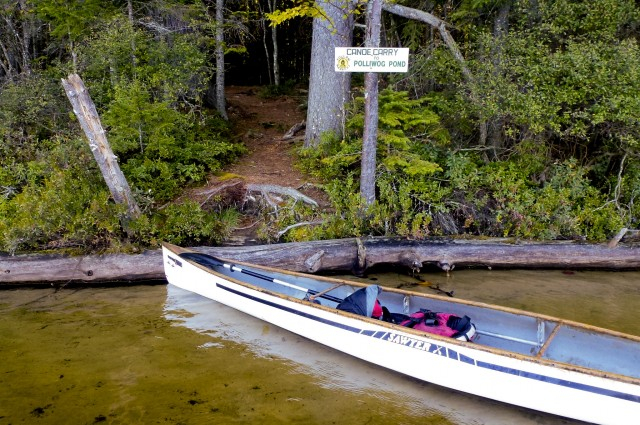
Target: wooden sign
x=371, y=59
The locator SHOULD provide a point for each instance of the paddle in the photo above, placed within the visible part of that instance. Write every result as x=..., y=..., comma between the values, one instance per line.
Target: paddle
x=213, y=262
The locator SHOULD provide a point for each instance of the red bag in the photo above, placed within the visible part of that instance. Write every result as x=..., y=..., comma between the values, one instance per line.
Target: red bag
x=445, y=324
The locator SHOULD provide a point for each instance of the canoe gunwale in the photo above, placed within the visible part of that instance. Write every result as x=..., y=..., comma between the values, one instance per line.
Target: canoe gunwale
x=537, y=358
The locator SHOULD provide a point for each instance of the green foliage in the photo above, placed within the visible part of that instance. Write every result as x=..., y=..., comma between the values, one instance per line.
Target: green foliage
x=458, y=193
x=185, y=224
x=161, y=149
x=30, y=109
x=409, y=135
x=406, y=130
x=174, y=160
x=71, y=18
x=558, y=94
x=68, y=210
x=156, y=125
x=65, y=204
x=171, y=69
x=148, y=90
x=566, y=74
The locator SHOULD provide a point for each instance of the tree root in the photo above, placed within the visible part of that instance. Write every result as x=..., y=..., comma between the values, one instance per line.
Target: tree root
x=267, y=189
x=293, y=130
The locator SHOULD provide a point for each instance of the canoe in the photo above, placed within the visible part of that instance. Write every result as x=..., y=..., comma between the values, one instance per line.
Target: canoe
x=535, y=361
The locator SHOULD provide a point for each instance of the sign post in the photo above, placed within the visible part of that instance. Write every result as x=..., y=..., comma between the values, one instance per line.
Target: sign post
x=371, y=59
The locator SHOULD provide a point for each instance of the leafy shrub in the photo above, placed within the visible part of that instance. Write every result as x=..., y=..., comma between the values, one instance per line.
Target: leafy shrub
x=185, y=224
x=424, y=190
x=68, y=210
x=160, y=149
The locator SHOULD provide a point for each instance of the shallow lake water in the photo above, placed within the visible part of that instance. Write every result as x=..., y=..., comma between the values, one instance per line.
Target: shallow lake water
x=157, y=354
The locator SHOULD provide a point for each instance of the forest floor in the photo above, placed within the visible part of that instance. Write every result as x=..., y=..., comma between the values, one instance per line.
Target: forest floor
x=261, y=122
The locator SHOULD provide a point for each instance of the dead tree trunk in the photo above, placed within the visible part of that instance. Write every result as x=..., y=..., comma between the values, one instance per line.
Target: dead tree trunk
x=342, y=255
x=89, y=120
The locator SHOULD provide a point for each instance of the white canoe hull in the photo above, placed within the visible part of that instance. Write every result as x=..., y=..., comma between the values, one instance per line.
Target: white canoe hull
x=463, y=366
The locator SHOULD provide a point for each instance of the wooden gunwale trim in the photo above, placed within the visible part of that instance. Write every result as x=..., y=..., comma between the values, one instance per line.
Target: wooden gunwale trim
x=444, y=340
x=479, y=304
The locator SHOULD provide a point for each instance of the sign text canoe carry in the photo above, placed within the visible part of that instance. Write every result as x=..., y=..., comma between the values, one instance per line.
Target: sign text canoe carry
x=371, y=59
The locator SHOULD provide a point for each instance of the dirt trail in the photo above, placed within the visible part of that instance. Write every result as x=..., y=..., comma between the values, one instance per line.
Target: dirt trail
x=261, y=123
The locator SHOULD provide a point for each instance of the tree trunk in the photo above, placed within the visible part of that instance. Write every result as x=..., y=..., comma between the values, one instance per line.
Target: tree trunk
x=274, y=41
x=7, y=68
x=27, y=31
x=500, y=29
x=328, y=90
x=370, y=136
x=263, y=24
x=134, y=59
x=342, y=255
x=276, y=65
x=221, y=105
x=89, y=120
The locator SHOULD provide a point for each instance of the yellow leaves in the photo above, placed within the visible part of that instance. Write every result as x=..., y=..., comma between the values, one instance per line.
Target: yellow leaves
x=304, y=10
x=236, y=49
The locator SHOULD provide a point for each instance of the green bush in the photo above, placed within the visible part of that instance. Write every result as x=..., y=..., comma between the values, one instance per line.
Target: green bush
x=184, y=224
x=424, y=189
x=68, y=210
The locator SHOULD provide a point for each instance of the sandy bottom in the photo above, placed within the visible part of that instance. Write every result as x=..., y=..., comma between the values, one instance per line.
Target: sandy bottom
x=157, y=354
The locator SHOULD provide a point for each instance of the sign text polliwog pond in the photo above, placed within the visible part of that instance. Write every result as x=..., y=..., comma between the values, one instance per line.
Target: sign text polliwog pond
x=371, y=59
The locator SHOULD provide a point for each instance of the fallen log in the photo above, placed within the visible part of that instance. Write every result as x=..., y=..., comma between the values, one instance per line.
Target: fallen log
x=341, y=255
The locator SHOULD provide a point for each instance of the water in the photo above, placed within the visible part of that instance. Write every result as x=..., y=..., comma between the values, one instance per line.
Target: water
x=157, y=354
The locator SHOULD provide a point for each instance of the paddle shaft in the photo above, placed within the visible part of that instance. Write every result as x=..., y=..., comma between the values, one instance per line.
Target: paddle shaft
x=210, y=261
x=235, y=268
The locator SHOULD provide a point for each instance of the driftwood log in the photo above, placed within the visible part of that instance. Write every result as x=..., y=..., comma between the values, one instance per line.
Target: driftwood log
x=344, y=255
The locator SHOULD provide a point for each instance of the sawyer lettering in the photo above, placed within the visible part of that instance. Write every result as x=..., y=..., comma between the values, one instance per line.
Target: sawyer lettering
x=410, y=342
